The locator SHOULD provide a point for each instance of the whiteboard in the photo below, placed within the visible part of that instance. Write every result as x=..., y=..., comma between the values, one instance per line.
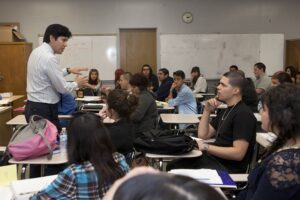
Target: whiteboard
x=214, y=53
x=94, y=51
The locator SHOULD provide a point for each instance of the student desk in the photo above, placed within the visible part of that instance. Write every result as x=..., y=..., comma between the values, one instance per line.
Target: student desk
x=9, y=100
x=161, y=158
x=264, y=139
x=20, y=120
x=198, y=96
x=181, y=118
x=89, y=99
x=57, y=158
x=258, y=117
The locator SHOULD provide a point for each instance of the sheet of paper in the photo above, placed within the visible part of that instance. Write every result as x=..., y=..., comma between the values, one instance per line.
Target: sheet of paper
x=208, y=176
x=6, y=193
x=31, y=186
x=8, y=174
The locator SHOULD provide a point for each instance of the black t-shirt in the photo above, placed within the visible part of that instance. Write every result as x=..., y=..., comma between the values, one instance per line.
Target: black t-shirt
x=235, y=123
x=121, y=135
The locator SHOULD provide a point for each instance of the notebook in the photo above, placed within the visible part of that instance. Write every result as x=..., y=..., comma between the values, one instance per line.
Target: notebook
x=212, y=177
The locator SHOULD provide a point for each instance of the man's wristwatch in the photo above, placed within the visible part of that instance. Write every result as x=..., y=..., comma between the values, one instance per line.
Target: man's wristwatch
x=68, y=70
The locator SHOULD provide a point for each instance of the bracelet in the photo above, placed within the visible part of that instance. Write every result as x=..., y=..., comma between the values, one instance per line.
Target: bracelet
x=68, y=70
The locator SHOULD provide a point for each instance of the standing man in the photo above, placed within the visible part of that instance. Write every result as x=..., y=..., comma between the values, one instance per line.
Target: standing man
x=165, y=84
x=185, y=100
x=262, y=82
x=45, y=79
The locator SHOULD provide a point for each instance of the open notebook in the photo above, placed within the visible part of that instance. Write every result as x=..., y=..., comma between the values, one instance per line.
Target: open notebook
x=209, y=176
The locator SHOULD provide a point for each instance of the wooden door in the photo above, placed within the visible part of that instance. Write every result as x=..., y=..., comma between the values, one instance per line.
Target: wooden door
x=13, y=68
x=293, y=53
x=137, y=47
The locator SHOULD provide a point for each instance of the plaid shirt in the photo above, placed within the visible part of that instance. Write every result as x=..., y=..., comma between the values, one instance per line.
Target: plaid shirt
x=78, y=181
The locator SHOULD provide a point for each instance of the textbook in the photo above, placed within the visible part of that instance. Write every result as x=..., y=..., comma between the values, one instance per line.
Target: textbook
x=211, y=177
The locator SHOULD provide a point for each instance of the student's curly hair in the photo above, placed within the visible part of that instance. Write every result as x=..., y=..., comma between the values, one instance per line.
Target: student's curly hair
x=283, y=103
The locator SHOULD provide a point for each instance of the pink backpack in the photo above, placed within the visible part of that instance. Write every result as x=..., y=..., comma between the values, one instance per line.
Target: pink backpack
x=33, y=140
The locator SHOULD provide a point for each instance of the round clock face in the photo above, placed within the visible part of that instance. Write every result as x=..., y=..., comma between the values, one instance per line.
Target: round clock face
x=187, y=17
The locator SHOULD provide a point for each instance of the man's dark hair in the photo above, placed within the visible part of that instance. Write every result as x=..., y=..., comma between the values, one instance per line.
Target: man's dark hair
x=139, y=81
x=164, y=71
x=236, y=80
x=260, y=66
x=179, y=73
x=234, y=67
x=56, y=30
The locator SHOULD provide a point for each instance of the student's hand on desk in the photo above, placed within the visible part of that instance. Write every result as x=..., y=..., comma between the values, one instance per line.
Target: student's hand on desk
x=81, y=80
x=212, y=104
x=77, y=70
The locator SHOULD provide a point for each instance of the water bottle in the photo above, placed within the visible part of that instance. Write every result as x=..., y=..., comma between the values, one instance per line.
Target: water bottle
x=63, y=140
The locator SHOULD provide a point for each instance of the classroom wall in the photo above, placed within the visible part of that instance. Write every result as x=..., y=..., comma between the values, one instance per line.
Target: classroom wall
x=107, y=16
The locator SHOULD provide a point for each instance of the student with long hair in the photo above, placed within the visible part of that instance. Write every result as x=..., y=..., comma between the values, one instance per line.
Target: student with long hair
x=152, y=78
x=277, y=175
x=120, y=104
x=94, y=82
x=291, y=70
x=94, y=164
x=199, y=83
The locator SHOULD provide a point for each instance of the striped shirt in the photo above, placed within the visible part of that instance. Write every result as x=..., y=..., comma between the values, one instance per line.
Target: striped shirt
x=45, y=78
x=79, y=181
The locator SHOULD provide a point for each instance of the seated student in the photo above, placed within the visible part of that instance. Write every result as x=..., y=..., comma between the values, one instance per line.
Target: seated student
x=146, y=183
x=119, y=107
x=124, y=81
x=94, y=164
x=234, y=129
x=292, y=72
x=277, y=175
x=249, y=95
x=233, y=68
x=145, y=115
x=66, y=106
x=198, y=81
x=165, y=84
x=152, y=78
x=118, y=73
x=94, y=84
x=297, y=81
x=185, y=100
x=261, y=82
x=280, y=78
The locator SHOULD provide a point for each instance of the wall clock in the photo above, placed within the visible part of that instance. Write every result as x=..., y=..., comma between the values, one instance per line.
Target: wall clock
x=187, y=17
